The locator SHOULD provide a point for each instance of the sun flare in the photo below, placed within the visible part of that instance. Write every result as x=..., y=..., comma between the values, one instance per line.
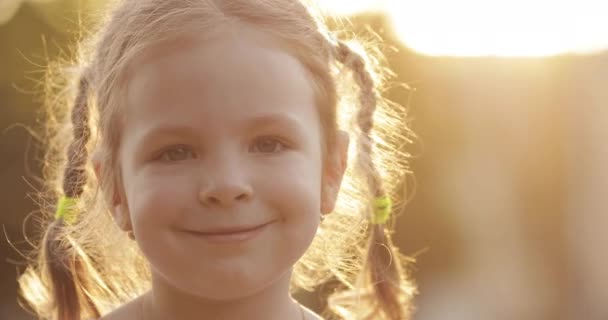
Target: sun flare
x=490, y=27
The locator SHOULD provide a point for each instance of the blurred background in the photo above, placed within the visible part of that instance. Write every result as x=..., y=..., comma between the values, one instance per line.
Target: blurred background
x=510, y=214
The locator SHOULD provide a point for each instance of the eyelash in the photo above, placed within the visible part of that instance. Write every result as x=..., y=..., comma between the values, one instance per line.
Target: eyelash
x=165, y=152
x=283, y=145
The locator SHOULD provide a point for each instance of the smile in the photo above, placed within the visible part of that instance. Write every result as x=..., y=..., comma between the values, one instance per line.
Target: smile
x=228, y=236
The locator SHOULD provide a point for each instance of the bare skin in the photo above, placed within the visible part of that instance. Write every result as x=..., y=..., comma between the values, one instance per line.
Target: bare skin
x=214, y=114
x=133, y=311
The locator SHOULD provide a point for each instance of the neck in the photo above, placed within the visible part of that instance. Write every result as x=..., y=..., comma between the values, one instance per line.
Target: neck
x=272, y=303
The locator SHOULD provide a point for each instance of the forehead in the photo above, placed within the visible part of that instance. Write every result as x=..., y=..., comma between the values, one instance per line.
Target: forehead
x=226, y=78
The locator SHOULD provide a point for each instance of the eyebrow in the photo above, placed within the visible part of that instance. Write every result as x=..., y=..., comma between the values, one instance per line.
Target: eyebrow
x=280, y=119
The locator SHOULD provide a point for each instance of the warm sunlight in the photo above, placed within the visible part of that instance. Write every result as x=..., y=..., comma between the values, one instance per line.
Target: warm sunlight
x=491, y=27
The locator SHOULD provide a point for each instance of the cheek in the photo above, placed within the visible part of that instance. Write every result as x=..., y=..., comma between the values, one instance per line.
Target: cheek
x=157, y=198
x=292, y=192
x=294, y=187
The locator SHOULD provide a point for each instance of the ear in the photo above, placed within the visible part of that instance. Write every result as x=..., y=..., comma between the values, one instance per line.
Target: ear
x=114, y=200
x=333, y=172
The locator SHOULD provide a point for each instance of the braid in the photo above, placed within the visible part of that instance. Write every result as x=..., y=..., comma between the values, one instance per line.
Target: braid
x=74, y=174
x=383, y=270
x=367, y=99
x=65, y=266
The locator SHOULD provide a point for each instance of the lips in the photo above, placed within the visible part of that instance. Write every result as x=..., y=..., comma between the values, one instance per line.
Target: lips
x=229, y=235
x=228, y=230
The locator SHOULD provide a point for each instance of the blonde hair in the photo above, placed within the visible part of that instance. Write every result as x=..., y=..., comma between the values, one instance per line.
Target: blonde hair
x=89, y=267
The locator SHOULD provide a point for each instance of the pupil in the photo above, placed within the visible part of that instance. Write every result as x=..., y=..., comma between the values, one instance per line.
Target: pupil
x=178, y=153
x=267, y=145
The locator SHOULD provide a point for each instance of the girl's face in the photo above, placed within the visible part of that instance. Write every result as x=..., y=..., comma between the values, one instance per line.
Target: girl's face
x=221, y=136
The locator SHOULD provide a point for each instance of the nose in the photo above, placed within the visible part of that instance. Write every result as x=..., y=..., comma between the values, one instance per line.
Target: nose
x=225, y=189
x=225, y=195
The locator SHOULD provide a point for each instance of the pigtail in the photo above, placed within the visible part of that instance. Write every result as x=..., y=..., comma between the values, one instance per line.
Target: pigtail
x=64, y=263
x=382, y=277
x=76, y=274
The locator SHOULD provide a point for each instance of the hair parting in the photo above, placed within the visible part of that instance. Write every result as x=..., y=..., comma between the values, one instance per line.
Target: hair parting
x=88, y=267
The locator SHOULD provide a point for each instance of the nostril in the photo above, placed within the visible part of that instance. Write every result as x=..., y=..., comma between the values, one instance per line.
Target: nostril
x=216, y=200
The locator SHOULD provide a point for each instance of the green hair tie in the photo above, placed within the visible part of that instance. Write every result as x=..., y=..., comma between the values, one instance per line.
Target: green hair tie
x=382, y=210
x=66, y=210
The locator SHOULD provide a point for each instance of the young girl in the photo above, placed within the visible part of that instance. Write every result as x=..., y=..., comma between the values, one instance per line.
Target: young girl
x=217, y=134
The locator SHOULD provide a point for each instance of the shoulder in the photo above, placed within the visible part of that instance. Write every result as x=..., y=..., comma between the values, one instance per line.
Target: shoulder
x=311, y=315
x=127, y=311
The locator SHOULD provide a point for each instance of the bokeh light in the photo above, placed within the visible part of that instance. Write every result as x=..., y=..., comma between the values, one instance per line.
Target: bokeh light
x=490, y=28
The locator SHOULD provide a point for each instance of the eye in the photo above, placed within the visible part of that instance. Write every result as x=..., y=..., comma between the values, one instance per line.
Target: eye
x=268, y=144
x=177, y=153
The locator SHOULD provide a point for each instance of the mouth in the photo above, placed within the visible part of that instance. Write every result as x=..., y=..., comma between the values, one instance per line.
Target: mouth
x=230, y=230
x=229, y=235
